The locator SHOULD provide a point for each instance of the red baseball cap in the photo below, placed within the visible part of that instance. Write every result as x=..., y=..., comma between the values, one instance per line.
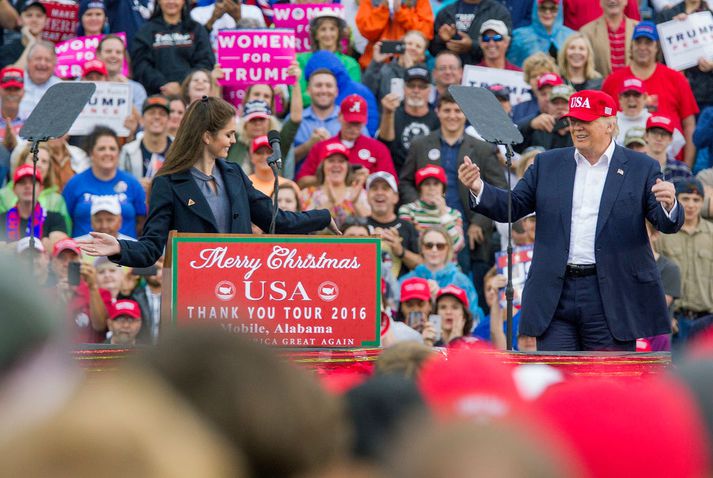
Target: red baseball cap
x=354, y=109
x=456, y=292
x=431, y=171
x=24, y=171
x=259, y=142
x=331, y=149
x=94, y=66
x=125, y=307
x=549, y=79
x=415, y=288
x=660, y=121
x=11, y=77
x=632, y=84
x=65, y=245
x=589, y=105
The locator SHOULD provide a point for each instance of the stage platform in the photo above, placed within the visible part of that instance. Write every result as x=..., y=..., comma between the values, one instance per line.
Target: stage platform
x=631, y=365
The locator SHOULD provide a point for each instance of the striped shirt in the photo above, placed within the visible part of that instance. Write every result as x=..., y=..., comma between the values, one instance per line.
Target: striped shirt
x=617, y=45
x=423, y=216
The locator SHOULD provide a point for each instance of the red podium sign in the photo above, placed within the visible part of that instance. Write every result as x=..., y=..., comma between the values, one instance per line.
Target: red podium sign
x=285, y=291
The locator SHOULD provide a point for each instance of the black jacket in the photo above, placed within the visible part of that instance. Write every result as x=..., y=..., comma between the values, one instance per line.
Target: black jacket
x=161, y=53
x=487, y=10
x=177, y=203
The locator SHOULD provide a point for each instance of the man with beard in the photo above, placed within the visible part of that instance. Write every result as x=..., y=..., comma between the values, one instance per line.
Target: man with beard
x=401, y=123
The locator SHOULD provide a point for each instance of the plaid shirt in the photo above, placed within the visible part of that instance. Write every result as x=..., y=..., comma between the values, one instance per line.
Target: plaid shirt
x=675, y=170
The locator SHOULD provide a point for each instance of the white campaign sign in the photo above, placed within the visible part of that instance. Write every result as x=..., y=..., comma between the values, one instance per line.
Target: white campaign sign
x=684, y=42
x=483, y=77
x=109, y=106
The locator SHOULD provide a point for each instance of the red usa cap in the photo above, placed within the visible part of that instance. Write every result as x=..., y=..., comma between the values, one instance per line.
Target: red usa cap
x=125, y=307
x=65, y=245
x=456, y=292
x=660, y=121
x=431, y=171
x=331, y=149
x=632, y=84
x=549, y=79
x=589, y=105
x=24, y=171
x=415, y=288
x=354, y=109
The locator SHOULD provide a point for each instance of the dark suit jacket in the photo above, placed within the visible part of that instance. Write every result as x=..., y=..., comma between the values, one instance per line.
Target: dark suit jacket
x=170, y=209
x=482, y=154
x=629, y=282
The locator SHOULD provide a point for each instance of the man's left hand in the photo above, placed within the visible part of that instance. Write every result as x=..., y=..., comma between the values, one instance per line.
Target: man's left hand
x=665, y=194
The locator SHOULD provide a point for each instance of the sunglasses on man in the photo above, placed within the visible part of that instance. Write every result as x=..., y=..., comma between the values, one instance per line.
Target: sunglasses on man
x=496, y=38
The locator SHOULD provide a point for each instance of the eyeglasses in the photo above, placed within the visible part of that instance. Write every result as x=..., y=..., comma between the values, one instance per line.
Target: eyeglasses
x=417, y=85
x=441, y=246
x=496, y=38
x=546, y=9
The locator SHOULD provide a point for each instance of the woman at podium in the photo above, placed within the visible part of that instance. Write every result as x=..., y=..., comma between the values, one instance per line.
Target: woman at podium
x=196, y=190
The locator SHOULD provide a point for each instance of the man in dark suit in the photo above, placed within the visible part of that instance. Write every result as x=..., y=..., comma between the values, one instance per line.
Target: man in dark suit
x=593, y=283
x=446, y=147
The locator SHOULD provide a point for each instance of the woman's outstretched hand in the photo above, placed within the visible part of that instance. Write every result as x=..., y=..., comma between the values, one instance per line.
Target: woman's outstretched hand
x=100, y=244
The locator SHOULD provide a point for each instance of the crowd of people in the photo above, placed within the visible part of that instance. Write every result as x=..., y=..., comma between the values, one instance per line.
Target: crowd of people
x=374, y=137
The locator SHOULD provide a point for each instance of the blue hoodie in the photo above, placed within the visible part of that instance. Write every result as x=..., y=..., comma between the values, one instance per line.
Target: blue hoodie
x=534, y=38
x=347, y=86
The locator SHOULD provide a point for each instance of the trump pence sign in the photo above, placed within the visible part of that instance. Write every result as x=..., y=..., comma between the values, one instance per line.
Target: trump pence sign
x=283, y=291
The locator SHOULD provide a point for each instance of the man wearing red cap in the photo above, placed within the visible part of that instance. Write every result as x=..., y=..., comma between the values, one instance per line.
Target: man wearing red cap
x=124, y=322
x=658, y=137
x=593, y=283
x=12, y=89
x=363, y=151
x=85, y=303
x=15, y=223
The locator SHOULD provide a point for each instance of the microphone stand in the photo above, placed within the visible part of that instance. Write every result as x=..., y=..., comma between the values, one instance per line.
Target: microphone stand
x=34, y=149
x=509, y=291
x=275, y=163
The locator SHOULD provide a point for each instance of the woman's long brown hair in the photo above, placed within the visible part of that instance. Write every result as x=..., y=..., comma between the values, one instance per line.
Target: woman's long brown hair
x=209, y=114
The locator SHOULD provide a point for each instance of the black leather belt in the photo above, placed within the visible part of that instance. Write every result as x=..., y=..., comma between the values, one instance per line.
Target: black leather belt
x=580, y=270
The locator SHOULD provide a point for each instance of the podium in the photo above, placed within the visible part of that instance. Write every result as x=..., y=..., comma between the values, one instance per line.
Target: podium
x=293, y=291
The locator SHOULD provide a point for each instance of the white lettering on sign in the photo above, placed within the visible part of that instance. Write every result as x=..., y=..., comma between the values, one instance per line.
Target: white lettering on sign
x=256, y=41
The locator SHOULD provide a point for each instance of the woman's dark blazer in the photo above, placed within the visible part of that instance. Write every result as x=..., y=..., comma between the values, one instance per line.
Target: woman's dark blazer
x=177, y=203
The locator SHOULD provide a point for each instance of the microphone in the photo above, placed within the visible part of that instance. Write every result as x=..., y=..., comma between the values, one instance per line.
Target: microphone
x=276, y=158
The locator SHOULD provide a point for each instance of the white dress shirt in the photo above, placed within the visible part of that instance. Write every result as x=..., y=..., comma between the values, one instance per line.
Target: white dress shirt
x=586, y=195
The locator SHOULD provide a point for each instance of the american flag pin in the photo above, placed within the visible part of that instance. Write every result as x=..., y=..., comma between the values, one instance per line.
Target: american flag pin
x=620, y=171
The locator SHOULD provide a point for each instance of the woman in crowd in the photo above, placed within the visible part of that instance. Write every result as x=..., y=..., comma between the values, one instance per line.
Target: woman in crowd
x=109, y=276
x=456, y=318
x=379, y=74
x=104, y=178
x=430, y=209
x=162, y=67
x=576, y=62
x=436, y=248
x=340, y=190
x=262, y=178
x=92, y=18
x=355, y=227
x=547, y=32
x=327, y=31
x=177, y=108
x=49, y=198
x=112, y=51
x=220, y=198
x=197, y=84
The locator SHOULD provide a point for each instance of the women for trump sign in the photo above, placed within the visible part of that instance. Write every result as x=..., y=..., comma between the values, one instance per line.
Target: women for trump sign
x=256, y=56
x=285, y=291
